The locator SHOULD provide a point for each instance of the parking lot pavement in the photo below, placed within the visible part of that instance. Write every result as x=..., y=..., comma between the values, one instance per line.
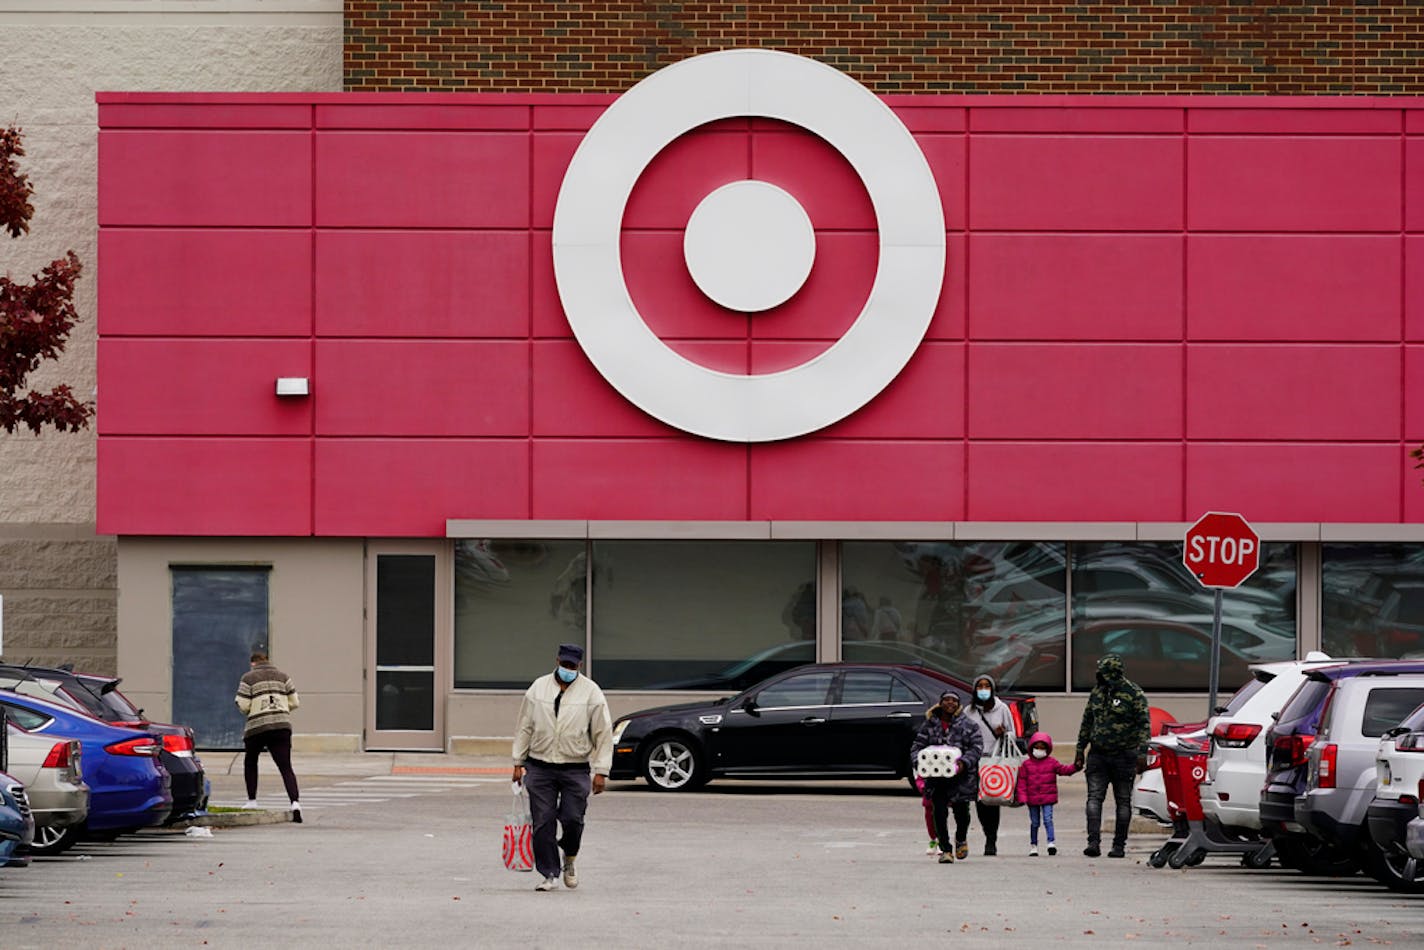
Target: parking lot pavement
x=744, y=864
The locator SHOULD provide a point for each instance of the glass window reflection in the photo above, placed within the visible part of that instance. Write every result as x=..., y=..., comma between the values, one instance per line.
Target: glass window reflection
x=962, y=607
x=515, y=602
x=1372, y=600
x=1138, y=600
x=718, y=615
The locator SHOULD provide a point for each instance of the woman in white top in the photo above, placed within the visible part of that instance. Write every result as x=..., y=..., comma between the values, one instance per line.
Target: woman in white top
x=994, y=719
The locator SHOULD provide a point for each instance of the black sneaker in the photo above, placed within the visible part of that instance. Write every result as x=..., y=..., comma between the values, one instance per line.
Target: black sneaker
x=990, y=850
x=1052, y=850
x=1092, y=851
x=297, y=816
x=1117, y=852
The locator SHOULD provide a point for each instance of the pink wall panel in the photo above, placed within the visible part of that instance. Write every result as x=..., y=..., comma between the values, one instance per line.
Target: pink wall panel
x=408, y=487
x=1414, y=182
x=1058, y=121
x=212, y=179
x=655, y=273
x=640, y=479
x=1282, y=482
x=422, y=283
x=1083, y=287
x=875, y=480
x=1258, y=120
x=1414, y=288
x=818, y=479
x=1293, y=287
x=571, y=399
x=552, y=152
x=418, y=388
x=1258, y=392
x=201, y=387
x=1079, y=481
x=681, y=175
x=241, y=487
x=1293, y=183
x=548, y=312
x=1075, y=391
x=1075, y=183
x=1414, y=393
x=447, y=179
x=205, y=282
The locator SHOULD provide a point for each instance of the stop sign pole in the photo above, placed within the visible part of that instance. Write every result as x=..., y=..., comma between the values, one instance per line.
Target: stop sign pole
x=1221, y=551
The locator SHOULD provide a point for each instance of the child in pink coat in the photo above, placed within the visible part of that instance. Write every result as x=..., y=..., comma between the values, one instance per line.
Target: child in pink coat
x=1038, y=788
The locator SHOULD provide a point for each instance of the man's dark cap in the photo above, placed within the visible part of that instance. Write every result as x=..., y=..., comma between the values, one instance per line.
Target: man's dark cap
x=570, y=653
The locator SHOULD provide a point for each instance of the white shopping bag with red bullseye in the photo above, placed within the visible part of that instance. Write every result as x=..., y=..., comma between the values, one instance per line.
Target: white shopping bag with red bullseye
x=519, y=833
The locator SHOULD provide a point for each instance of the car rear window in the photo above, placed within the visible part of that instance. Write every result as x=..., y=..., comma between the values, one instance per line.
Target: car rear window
x=1305, y=700
x=1252, y=687
x=1387, y=706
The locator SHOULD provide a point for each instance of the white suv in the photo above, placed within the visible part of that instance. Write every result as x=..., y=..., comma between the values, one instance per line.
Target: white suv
x=1231, y=793
x=1399, y=777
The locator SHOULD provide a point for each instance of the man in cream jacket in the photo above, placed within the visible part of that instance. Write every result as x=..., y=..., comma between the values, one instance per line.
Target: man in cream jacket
x=564, y=734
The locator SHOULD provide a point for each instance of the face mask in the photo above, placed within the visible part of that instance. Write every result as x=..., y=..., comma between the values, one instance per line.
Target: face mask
x=982, y=694
x=1040, y=753
x=565, y=676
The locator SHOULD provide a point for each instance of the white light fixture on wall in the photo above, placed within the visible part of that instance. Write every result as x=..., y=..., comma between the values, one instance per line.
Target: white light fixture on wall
x=293, y=386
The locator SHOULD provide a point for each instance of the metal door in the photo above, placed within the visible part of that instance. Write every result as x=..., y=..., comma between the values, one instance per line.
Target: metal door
x=407, y=619
x=220, y=617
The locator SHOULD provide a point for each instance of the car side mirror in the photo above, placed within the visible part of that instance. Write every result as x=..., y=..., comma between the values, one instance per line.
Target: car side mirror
x=1276, y=716
x=750, y=705
x=1396, y=731
x=1219, y=710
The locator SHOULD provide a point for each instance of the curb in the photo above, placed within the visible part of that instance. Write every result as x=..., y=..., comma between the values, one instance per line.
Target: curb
x=235, y=819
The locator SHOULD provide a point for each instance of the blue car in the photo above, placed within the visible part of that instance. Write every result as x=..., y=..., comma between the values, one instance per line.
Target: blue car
x=128, y=787
x=17, y=825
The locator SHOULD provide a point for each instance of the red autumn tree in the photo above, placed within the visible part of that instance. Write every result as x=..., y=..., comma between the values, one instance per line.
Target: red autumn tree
x=35, y=318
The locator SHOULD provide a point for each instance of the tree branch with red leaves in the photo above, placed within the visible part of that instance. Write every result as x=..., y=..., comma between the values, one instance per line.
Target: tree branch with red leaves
x=35, y=318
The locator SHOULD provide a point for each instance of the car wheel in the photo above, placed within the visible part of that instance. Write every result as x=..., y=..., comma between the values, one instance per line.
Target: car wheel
x=1398, y=872
x=1313, y=856
x=673, y=763
x=51, y=841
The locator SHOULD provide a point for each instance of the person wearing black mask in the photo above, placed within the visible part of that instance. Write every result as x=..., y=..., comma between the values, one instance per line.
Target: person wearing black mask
x=1116, y=726
x=564, y=733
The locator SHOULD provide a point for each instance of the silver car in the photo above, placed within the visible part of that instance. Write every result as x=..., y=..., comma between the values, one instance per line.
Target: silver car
x=48, y=767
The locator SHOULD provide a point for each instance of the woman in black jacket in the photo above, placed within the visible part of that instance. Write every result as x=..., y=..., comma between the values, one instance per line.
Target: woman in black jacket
x=946, y=725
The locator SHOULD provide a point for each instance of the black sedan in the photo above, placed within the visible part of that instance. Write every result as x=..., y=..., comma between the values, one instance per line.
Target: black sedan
x=824, y=720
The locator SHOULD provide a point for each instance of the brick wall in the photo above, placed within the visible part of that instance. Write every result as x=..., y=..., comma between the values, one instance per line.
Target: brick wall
x=1167, y=46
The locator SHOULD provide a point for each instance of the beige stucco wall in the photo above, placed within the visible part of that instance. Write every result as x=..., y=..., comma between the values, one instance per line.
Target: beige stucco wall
x=56, y=576
x=316, y=598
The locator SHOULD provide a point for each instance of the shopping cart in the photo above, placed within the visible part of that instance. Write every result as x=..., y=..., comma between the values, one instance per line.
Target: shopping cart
x=1183, y=759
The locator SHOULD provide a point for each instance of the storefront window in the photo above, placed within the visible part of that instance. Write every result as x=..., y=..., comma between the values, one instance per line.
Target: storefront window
x=1372, y=600
x=515, y=602
x=962, y=607
x=1139, y=601
x=701, y=614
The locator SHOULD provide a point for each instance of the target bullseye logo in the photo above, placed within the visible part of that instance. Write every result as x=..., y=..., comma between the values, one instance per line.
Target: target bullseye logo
x=749, y=245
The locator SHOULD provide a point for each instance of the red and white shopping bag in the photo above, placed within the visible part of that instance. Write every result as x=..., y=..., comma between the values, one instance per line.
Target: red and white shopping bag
x=519, y=833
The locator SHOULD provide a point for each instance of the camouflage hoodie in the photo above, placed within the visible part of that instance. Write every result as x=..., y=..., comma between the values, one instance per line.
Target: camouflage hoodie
x=1116, y=719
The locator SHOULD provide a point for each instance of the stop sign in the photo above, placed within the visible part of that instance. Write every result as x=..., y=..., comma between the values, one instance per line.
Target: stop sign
x=1222, y=550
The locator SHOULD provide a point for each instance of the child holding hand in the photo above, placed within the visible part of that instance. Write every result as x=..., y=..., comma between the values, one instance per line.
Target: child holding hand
x=1038, y=788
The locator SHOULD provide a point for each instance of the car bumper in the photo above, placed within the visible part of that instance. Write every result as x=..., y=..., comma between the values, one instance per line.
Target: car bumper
x=1277, y=812
x=189, y=790
x=1414, y=838
x=625, y=762
x=1314, y=814
x=1387, y=821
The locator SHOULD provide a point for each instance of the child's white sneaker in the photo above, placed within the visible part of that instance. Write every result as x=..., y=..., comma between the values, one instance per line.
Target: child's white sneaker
x=1033, y=851
x=933, y=849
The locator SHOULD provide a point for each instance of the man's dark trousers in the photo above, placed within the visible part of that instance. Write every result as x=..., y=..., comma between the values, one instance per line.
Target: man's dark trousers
x=556, y=793
x=1118, y=769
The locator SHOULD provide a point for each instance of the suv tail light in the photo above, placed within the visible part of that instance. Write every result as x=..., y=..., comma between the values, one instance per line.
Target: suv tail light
x=178, y=745
x=1154, y=758
x=1235, y=735
x=143, y=745
x=1325, y=771
x=58, y=757
x=1290, y=750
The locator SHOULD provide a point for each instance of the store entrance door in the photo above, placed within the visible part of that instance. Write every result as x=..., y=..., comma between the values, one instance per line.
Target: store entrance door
x=408, y=622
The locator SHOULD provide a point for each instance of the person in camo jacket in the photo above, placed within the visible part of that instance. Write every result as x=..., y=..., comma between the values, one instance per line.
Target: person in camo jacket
x=266, y=696
x=1116, y=727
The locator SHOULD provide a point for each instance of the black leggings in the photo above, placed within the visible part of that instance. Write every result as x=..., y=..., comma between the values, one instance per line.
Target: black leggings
x=940, y=790
x=279, y=743
x=989, y=821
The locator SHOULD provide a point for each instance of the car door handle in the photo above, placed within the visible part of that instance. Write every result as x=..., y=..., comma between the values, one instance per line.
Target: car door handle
x=897, y=715
x=812, y=721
